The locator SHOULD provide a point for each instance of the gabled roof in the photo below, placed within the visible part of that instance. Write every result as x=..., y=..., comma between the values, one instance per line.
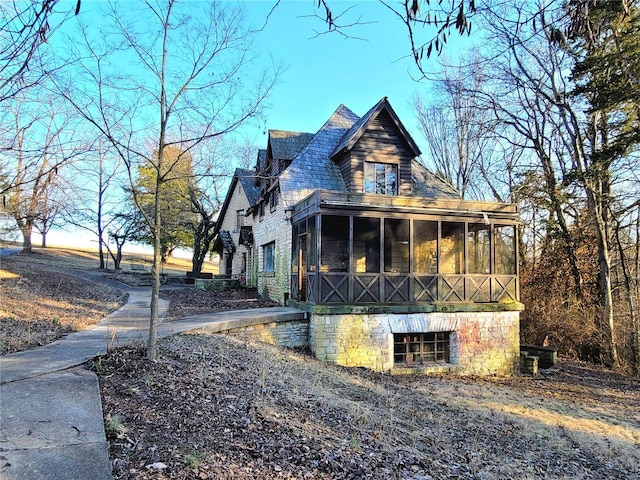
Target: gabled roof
x=262, y=160
x=285, y=145
x=356, y=131
x=312, y=167
x=245, y=177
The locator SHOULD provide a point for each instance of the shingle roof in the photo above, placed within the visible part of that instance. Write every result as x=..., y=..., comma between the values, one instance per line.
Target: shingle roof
x=246, y=178
x=312, y=167
x=285, y=145
x=426, y=184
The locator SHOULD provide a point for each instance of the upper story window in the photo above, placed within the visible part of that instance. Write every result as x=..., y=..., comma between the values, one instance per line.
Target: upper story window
x=273, y=200
x=239, y=218
x=380, y=178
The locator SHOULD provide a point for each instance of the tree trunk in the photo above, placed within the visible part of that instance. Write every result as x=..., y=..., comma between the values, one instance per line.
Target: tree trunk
x=635, y=321
x=101, y=254
x=201, y=244
x=117, y=258
x=26, y=231
x=604, y=265
x=152, y=343
x=43, y=244
x=629, y=295
x=152, y=348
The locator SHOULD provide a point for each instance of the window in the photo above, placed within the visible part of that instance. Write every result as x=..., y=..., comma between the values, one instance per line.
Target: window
x=273, y=200
x=421, y=348
x=380, y=178
x=268, y=252
x=261, y=209
x=239, y=218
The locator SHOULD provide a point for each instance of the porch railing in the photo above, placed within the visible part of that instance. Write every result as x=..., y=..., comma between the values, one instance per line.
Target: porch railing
x=367, y=288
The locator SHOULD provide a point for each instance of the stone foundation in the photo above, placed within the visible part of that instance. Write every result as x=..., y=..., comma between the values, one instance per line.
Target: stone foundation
x=480, y=343
x=293, y=334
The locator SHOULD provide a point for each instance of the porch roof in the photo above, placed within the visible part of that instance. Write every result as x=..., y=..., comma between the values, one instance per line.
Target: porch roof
x=325, y=201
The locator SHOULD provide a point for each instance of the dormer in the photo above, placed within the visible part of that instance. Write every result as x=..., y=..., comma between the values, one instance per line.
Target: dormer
x=376, y=154
x=282, y=147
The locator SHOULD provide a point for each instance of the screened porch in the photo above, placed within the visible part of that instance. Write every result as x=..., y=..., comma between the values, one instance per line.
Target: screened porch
x=371, y=249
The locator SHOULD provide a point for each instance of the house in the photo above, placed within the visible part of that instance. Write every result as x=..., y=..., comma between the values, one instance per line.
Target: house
x=395, y=271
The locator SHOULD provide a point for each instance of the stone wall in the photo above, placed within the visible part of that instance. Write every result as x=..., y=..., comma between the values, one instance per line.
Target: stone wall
x=481, y=343
x=238, y=201
x=291, y=334
x=274, y=227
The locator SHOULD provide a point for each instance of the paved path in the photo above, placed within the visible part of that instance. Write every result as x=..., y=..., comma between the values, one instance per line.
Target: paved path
x=51, y=424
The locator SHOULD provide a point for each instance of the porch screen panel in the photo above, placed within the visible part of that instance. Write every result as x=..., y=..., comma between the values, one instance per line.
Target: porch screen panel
x=312, y=250
x=452, y=248
x=396, y=245
x=335, y=244
x=294, y=249
x=479, y=248
x=505, y=249
x=366, y=245
x=425, y=247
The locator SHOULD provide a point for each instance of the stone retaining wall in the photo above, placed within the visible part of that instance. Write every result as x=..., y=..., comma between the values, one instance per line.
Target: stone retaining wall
x=291, y=334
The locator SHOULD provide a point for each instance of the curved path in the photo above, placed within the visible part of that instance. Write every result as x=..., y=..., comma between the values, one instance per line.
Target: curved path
x=51, y=423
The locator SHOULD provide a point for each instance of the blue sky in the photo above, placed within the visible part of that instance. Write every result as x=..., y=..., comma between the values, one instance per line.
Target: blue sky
x=324, y=71
x=328, y=70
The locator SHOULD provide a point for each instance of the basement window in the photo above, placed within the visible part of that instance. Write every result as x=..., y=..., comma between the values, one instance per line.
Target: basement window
x=414, y=349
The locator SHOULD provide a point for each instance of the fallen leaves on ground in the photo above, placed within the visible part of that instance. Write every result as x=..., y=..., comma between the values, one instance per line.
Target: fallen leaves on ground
x=187, y=301
x=216, y=407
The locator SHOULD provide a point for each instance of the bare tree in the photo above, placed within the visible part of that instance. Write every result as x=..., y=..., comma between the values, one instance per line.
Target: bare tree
x=188, y=62
x=97, y=194
x=531, y=95
x=458, y=132
x=203, y=230
x=122, y=228
x=42, y=142
x=25, y=26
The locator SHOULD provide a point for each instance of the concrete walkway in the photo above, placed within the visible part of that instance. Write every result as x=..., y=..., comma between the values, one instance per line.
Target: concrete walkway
x=51, y=424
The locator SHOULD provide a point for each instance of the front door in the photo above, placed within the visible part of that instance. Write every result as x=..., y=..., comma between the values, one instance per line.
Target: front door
x=302, y=267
